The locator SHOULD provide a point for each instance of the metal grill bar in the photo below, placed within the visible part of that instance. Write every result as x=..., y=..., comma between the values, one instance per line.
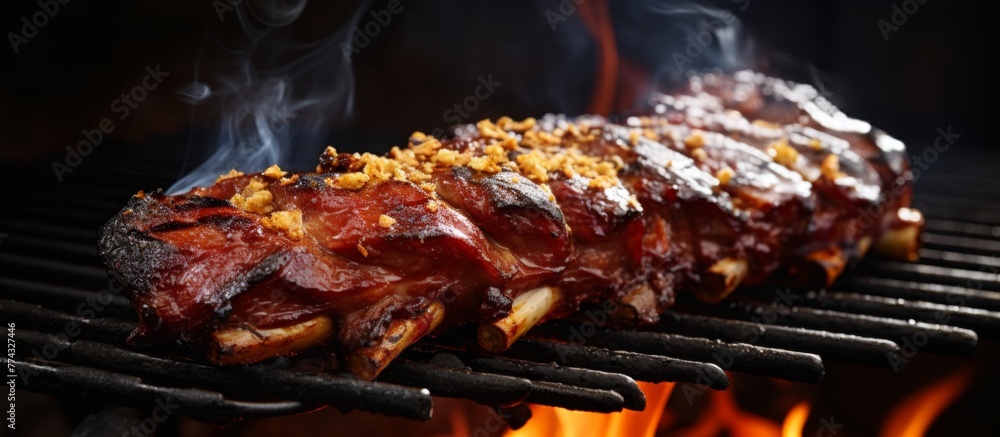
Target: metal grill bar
x=976, y=230
x=982, y=321
x=941, y=338
x=66, y=299
x=69, y=274
x=962, y=244
x=634, y=399
x=575, y=398
x=829, y=345
x=342, y=393
x=480, y=387
x=129, y=390
x=56, y=266
x=894, y=269
x=459, y=383
x=57, y=250
x=959, y=260
x=938, y=293
x=15, y=227
x=38, y=318
x=642, y=367
x=740, y=357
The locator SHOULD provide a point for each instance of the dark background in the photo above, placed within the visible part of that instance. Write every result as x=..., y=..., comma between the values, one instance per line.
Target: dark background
x=932, y=72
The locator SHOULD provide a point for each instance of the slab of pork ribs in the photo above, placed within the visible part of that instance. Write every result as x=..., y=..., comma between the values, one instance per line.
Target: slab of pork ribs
x=733, y=180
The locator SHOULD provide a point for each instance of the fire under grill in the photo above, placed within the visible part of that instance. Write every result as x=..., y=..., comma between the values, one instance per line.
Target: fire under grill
x=70, y=335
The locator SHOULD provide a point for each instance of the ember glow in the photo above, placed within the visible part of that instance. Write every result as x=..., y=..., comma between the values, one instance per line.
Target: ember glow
x=558, y=422
x=914, y=416
x=795, y=420
x=723, y=416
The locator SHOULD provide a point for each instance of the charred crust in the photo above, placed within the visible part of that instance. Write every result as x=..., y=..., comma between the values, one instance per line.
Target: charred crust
x=508, y=190
x=225, y=220
x=260, y=271
x=339, y=163
x=196, y=202
x=496, y=305
x=131, y=254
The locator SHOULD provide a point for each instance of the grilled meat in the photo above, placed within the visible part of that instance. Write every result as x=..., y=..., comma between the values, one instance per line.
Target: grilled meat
x=733, y=180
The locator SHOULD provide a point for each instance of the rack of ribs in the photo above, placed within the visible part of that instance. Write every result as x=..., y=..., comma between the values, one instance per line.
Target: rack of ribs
x=732, y=180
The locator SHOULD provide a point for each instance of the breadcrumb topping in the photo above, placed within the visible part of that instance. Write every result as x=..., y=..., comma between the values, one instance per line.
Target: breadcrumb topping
x=763, y=123
x=830, y=168
x=386, y=221
x=506, y=123
x=450, y=157
x=289, y=222
x=523, y=147
x=783, y=153
x=695, y=140
x=724, y=175
x=274, y=172
x=538, y=164
x=255, y=198
x=539, y=138
x=232, y=174
x=699, y=154
x=603, y=182
x=348, y=181
x=489, y=130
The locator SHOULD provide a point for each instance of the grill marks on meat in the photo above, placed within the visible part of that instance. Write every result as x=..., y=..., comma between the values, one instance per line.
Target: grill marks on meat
x=347, y=263
x=733, y=171
x=802, y=131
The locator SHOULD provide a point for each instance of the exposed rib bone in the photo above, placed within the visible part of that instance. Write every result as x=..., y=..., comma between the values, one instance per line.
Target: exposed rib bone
x=721, y=279
x=247, y=345
x=528, y=309
x=368, y=362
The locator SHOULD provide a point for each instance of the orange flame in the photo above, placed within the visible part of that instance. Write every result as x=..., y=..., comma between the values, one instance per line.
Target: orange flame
x=557, y=422
x=795, y=420
x=597, y=19
x=912, y=417
x=723, y=414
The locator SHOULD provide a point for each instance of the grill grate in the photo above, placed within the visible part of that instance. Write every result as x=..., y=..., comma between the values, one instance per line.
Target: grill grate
x=71, y=338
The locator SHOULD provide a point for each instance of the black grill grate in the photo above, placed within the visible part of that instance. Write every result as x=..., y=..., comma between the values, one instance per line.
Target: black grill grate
x=70, y=336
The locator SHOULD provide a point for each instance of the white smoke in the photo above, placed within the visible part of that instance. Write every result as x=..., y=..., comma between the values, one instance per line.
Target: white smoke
x=274, y=99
